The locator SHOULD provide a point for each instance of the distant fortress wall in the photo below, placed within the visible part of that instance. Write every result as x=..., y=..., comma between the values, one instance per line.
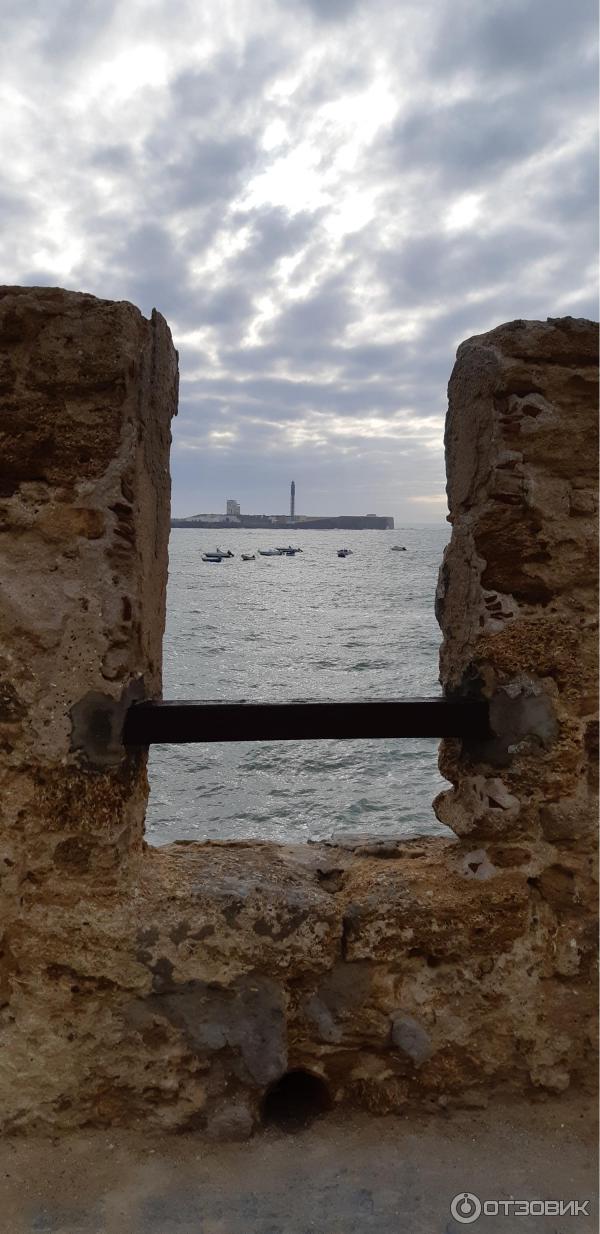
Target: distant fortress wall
x=349, y=522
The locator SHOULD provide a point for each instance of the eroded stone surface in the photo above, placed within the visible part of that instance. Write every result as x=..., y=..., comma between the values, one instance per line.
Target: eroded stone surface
x=85, y=412
x=165, y=1004
x=171, y=988
x=88, y=391
x=517, y=596
x=517, y=602
x=411, y=1038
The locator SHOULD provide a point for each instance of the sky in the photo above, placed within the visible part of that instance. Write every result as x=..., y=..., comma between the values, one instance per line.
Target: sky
x=323, y=198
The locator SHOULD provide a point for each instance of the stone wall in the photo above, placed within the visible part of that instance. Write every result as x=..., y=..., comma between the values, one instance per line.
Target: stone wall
x=176, y=986
x=518, y=605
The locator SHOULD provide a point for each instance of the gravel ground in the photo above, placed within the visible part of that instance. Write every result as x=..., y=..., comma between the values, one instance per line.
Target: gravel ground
x=342, y=1175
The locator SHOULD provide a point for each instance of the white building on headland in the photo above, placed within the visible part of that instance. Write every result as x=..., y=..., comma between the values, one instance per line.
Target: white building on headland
x=232, y=508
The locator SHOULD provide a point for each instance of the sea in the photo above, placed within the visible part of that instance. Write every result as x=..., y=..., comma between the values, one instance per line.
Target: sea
x=277, y=629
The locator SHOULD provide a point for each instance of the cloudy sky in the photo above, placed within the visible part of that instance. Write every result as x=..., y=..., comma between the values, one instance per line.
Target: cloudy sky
x=323, y=197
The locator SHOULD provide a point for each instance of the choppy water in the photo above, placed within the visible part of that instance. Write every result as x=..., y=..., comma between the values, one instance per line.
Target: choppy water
x=287, y=628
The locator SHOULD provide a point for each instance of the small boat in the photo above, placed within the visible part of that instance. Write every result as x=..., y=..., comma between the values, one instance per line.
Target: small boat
x=344, y=552
x=218, y=555
x=398, y=548
x=288, y=551
x=269, y=552
x=248, y=557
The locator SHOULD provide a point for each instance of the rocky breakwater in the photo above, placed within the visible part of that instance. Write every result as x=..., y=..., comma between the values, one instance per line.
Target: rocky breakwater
x=203, y=986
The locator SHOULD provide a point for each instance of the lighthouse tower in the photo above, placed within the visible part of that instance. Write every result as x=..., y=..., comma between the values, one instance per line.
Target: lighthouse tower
x=292, y=500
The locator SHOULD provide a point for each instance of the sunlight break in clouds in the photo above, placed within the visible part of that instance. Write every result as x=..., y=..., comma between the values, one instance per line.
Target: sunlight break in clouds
x=323, y=200
x=463, y=212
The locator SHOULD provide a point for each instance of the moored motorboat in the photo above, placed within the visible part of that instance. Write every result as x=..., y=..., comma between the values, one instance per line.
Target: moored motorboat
x=248, y=557
x=344, y=552
x=398, y=548
x=269, y=552
x=218, y=555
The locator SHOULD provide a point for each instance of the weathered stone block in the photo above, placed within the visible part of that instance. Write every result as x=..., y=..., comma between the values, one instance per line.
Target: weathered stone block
x=517, y=594
x=85, y=421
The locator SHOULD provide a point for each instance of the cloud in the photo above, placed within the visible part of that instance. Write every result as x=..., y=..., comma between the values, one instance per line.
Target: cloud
x=323, y=197
x=327, y=10
x=463, y=144
x=506, y=39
